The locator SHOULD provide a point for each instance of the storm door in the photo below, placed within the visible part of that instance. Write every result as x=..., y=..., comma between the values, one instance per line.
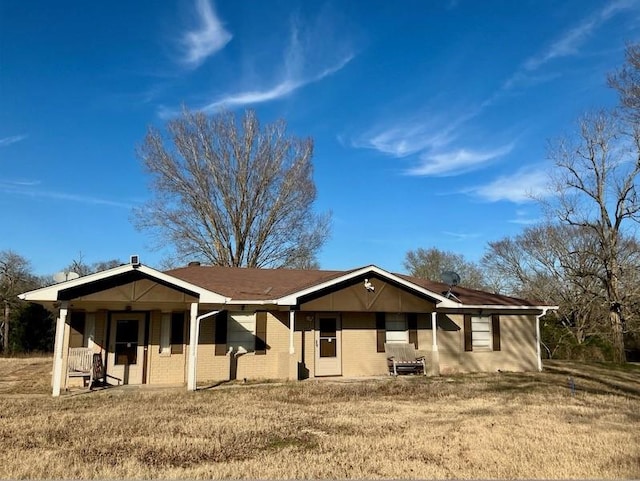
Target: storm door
x=328, y=333
x=126, y=348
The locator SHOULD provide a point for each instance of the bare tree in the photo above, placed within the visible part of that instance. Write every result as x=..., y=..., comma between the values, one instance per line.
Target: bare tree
x=596, y=178
x=81, y=267
x=231, y=193
x=431, y=263
x=15, y=277
x=554, y=262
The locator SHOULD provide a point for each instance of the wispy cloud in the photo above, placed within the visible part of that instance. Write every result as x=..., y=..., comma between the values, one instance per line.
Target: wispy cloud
x=310, y=55
x=567, y=44
x=4, y=142
x=523, y=186
x=523, y=217
x=462, y=236
x=206, y=39
x=405, y=139
x=288, y=85
x=457, y=161
x=27, y=188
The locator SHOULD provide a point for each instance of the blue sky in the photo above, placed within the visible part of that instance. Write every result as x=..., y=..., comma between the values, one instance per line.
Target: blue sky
x=430, y=118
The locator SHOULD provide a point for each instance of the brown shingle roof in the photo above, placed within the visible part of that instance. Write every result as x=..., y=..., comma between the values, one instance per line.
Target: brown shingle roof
x=266, y=284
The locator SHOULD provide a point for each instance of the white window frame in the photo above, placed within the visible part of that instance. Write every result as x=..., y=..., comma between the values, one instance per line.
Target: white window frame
x=482, y=333
x=165, y=335
x=396, y=328
x=241, y=331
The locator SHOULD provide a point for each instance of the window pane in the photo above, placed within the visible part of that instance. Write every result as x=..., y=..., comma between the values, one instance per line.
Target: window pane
x=328, y=347
x=126, y=341
x=327, y=327
x=396, y=326
x=241, y=330
x=177, y=328
x=481, y=337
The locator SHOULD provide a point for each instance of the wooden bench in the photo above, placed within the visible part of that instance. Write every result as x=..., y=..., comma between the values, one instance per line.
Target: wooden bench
x=83, y=362
x=403, y=358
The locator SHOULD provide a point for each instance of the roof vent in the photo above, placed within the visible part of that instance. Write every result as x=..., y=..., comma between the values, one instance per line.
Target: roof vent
x=193, y=264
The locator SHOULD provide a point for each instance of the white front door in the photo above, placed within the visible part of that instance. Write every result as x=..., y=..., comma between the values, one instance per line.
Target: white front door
x=126, y=348
x=328, y=358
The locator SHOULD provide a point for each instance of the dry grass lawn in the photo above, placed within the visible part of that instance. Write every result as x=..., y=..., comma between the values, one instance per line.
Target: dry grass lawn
x=502, y=425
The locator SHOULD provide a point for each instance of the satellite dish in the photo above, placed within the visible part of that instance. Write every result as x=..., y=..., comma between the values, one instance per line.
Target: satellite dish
x=60, y=276
x=450, y=278
x=65, y=276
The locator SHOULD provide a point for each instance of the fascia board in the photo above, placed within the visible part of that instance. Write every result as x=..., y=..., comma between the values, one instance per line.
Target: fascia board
x=501, y=307
x=51, y=293
x=292, y=299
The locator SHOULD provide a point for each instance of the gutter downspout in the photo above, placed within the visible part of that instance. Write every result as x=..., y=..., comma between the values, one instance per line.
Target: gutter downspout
x=193, y=344
x=538, y=337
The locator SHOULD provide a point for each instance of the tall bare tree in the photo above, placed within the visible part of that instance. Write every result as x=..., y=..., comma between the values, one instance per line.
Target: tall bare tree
x=230, y=192
x=431, y=263
x=15, y=277
x=596, y=184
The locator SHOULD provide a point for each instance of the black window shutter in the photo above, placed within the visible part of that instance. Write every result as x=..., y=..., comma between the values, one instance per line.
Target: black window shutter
x=261, y=332
x=468, y=346
x=220, y=339
x=381, y=333
x=495, y=330
x=412, y=324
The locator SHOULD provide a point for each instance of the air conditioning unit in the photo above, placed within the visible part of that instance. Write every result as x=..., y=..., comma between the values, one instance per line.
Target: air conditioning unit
x=135, y=261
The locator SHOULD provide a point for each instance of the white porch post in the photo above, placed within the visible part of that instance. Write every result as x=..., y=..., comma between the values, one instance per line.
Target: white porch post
x=58, y=348
x=292, y=327
x=539, y=339
x=193, y=347
x=435, y=355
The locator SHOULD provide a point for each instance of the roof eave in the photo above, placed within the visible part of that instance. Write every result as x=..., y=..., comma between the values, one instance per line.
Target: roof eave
x=52, y=293
x=292, y=298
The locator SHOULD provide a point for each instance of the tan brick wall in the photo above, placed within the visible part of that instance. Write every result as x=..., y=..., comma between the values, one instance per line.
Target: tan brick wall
x=272, y=365
x=163, y=369
x=517, y=343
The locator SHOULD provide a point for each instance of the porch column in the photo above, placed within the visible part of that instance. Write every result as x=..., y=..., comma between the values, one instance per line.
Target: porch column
x=58, y=348
x=292, y=327
x=192, y=365
x=435, y=355
x=293, y=360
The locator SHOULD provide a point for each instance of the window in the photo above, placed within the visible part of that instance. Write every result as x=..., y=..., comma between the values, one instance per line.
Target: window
x=177, y=332
x=76, y=334
x=233, y=330
x=396, y=327
x=392, y=327
x=481, y=333
x=241, y=331
x=172, y=333
x=127, y=341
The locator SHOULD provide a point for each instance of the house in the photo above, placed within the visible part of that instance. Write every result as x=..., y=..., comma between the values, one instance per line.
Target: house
x=205, y=323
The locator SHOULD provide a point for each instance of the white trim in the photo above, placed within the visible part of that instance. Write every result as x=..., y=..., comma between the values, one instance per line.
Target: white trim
x=194, y=334
x=292, y=326
x=59, y=348
x=539, y=339
x=193, y=347
x=165, y=334
x=434, y=330
x=52, y=293
x=292, y=299
x=90, y=329
x=501, y=307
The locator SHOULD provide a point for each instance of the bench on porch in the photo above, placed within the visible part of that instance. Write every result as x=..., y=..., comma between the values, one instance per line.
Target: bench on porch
x=83, y=362
x=402, y=357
